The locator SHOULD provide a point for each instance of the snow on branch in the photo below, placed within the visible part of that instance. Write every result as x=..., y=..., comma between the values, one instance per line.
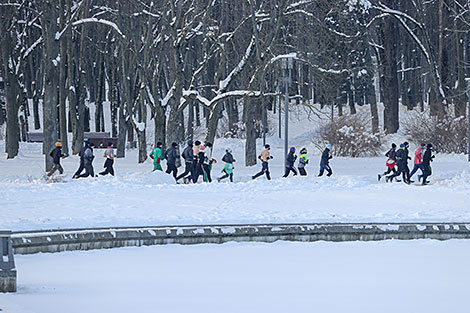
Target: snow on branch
x=30, y=49
x=101, y=21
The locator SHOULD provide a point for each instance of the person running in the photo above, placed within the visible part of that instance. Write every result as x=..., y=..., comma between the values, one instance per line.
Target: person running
x=228, y=168
x=188, y=157
x=291, y=157
x=108, y=164
x=81, y=154
x=56, y=154
x=157, y=156
x=303, y=161
x=418, y=160
x=391, y=161
x=427, y=159
x=171, y=155
x=88, y=161
x=265, y=156
x=199, y=163
x=402, y=163
x=207, y=164
x=325, y=161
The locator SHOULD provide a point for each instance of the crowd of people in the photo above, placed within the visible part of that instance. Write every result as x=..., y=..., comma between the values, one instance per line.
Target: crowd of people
x=397, y=163
x=198, y=161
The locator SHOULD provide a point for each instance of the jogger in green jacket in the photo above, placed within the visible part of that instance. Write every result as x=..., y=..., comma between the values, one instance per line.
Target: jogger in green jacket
x=157, y=156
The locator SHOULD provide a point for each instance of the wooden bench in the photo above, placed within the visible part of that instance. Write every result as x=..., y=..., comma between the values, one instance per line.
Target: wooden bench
x=100, y=140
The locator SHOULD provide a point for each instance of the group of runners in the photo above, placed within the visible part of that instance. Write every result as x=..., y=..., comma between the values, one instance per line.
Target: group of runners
x=397, y=163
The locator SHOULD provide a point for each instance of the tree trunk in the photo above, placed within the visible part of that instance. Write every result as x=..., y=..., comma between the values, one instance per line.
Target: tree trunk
x=62, y=87
x=249, y=109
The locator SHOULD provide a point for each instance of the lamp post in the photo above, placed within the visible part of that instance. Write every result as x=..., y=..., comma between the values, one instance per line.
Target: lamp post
x=287, y=64
x=468, y=117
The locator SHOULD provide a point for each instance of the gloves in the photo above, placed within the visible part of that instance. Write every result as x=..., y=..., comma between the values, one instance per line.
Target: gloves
x=158, y=160
x=214, y=160
x=270, y=157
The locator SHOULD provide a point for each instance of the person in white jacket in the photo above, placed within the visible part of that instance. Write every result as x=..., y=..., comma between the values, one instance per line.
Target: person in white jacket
x=207, y=166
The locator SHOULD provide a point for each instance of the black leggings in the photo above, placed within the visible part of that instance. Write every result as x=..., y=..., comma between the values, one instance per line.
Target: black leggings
x=187, y=169
x=108, y=167
x=227, y=175
x=288, y=170
x=207, y=171
x=172, y=168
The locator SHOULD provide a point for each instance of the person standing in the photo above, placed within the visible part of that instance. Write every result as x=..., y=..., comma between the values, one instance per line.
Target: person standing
x=325, y=161
x=427, y=159
x=157, y=156
x=188, y=157
x=88, y=161
x=228, y=168
x=419, y=153
x=56, y=154
x=81, y=154
x=108, y=164
x=171, y=155
x=207, y=165
x=265, y=156
x=291, y=157
x=303, y=161
x=391, y=161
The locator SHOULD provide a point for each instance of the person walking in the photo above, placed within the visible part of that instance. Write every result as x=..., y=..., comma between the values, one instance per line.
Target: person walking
x=56, y=154
x=108, y=164
x=171, y=155
x=428, y=157
x=291, y=157
x=228, y=168
x=391, y=161
x=207, y=164
x=265, y=156
x=81, y=154
x=303, y=161
x=418, y=162
x=188, y=157
x=88, y=161
x=325, y=161
x=157, y=156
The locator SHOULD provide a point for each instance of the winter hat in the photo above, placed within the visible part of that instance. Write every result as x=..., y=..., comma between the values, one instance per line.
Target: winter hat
x=159, y=144
x=266, y=146
x=292, y=149
x=402, y=145
x=328, y=146
x=92, y=144
x=429, y=146
x=110, y=144
x=406, y=143
x=422, y=145
x=208, y=144
x=58, y=144
x=228, y=149
x=394, y=145
x=303, y=151
x=190, y=143
x=174, y=145
x=197, y=143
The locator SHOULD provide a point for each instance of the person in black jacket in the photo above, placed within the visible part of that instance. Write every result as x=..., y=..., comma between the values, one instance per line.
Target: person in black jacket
x=88, y=158
x=171, y=155
x=81, y=154
x=56, y=154
x=391, y=161
x=402, y=162
x=188, y=156
x=228, y=168
x=291, y=157
x=427, y=159
x=325, y=161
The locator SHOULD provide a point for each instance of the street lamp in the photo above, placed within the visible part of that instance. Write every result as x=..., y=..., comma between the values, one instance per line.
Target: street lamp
x=287, y=63
x=468, y=117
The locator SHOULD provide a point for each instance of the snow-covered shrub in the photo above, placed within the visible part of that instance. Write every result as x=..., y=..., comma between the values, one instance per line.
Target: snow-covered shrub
x=350, y=136
x=447, y=134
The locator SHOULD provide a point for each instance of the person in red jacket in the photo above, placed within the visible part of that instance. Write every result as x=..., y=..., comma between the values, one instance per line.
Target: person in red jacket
x=418, y=160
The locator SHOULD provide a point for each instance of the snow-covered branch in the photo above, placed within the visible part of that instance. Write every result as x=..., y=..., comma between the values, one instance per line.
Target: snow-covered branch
x=100, y=21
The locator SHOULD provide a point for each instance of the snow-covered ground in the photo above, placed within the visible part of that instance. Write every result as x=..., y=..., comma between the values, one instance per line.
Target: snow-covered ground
x=388, y=276
x=137, y=197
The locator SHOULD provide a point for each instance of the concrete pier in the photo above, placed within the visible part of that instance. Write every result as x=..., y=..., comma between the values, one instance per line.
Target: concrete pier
x=7, y=263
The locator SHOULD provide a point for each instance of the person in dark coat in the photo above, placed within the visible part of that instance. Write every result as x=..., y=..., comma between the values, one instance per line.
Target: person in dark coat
x=402, y=163
x=427, y=159
x=391, y=161
x=81, y=154
x=228, y=168
x=108, y=164
x=56, y=154
x=196, y=170
x=171, y=155
x=188, y=156
x=88, y=158
x=325, y=161
x=291, y=157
